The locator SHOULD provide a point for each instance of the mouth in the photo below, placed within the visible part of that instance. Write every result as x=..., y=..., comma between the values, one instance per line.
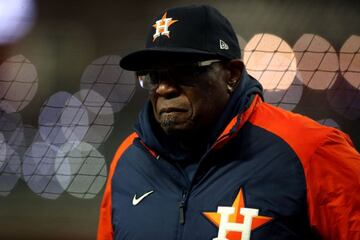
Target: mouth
x=171, y=110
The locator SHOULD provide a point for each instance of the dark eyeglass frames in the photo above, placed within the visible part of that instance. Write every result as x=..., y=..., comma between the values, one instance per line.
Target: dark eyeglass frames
x=181, y=74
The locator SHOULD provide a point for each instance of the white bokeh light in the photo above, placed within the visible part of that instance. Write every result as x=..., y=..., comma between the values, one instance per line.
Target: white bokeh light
x=82, y=172
x=16, y=19
x=107, y=78
x=39, y=170
x=18, y=83
x=271, y=60
x=2, y=149
x=350, y=60
x=63, y=118
x=318, y=63
x=10, y=170
x=101, y=116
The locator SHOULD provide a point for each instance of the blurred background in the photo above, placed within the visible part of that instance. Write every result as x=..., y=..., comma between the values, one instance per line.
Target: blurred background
x=65, y=104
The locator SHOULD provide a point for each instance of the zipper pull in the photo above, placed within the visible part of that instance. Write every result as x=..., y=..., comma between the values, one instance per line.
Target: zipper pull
x=182, y=209
x=181, y=213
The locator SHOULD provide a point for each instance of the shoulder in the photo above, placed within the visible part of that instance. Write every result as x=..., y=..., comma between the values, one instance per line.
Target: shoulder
x=301, y=133
x=331, y=167
x=126, y=143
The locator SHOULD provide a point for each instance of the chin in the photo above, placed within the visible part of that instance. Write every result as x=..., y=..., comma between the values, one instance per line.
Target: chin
x=173, y=128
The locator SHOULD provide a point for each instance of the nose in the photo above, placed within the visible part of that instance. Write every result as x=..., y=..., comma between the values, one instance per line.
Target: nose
x=166, y=87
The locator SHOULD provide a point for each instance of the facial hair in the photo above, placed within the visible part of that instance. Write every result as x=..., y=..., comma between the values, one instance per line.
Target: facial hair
x=167, y=122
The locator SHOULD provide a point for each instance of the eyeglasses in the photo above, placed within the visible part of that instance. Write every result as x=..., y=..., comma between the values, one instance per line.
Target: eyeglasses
x=182, y=74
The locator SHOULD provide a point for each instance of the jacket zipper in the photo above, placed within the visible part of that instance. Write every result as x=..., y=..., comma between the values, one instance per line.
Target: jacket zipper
x=182, y=208
x=185, y=193
x=184, y=196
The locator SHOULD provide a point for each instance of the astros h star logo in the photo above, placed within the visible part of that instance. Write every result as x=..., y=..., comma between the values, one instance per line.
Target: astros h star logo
x=162, y=26
x=236, y=222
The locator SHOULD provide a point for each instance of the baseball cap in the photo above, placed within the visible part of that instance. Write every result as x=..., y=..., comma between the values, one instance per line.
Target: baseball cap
x=185, y=34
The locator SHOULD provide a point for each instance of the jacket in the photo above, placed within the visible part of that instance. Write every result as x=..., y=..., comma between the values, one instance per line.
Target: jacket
x=266, y=173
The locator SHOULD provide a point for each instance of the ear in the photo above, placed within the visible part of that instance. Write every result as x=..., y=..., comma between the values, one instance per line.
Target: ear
x=235, y=67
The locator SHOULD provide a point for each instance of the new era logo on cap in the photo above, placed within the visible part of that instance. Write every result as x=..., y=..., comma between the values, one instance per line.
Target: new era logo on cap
x=223, y=45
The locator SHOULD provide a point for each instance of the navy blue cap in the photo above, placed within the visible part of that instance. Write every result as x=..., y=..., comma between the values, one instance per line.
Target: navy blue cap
x=185, y=34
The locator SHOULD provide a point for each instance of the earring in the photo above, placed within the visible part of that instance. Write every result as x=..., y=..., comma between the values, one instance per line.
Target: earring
x=230, y=88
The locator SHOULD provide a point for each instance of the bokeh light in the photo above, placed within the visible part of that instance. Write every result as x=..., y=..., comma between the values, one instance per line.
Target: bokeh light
x=318, y=63
x=2, y=149
x=39, y=170
x=100, y=114
x=18, y=83
x=350, y=60
x=344, y=94
x=11, y=126
x=63, y=118
x=10, y=170
x=107, y=78
x=11, y=149
x=16, y=19
x=82, y=172
x=271, y=60
x=28, y=134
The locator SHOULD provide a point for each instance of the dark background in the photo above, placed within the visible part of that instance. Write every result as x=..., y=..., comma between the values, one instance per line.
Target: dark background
x=69, y=35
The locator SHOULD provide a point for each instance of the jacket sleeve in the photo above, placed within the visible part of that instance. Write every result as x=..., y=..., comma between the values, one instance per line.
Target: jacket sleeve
x=105, y=228
x=333, y=181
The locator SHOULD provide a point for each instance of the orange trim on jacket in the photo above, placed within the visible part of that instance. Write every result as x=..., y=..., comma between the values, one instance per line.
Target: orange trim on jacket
x=240, y=120
x=105, y=229
x=331, y=166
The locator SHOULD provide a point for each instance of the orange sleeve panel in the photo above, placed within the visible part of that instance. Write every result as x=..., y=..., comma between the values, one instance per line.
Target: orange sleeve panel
x=331, y=167
x=334, y=188
x=105, y=230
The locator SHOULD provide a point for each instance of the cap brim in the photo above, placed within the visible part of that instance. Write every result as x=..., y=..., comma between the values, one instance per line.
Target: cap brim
x=152, y=57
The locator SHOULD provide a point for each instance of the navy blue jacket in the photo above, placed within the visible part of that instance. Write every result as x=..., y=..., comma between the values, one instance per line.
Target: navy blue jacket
x=291, y=177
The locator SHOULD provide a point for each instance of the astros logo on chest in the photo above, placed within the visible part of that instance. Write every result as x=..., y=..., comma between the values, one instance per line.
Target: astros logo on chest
x=236, y=222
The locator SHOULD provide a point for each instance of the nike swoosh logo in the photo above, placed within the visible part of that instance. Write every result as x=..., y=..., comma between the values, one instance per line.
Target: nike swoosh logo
x=136, y=200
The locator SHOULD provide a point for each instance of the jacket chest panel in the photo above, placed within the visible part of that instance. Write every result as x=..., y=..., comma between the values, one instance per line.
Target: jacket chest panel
x=137, y=215
x=273, y=185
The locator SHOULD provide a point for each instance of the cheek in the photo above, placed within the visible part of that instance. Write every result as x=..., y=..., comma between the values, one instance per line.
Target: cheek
x=209, y=105
x=202, y=106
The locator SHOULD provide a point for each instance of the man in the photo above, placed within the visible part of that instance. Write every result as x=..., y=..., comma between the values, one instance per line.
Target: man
x=210, y=160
